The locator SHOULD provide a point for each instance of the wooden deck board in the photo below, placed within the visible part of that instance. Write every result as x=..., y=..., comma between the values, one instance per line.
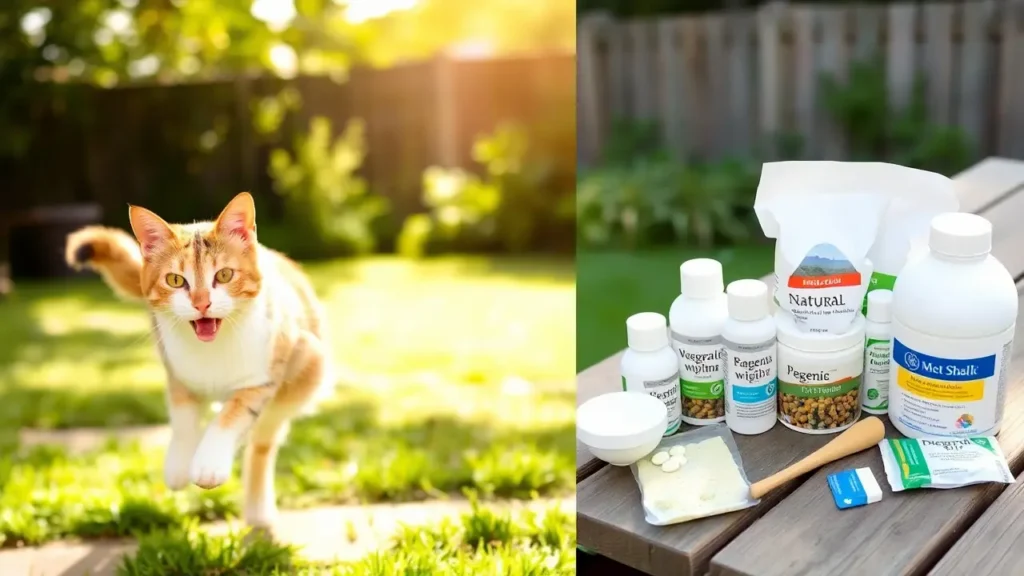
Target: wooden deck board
x=608, y=504
x=610, y=518
x=825, y=539
x=600, y=378
x=904, y=533
x=983, y=185
x=992, y=544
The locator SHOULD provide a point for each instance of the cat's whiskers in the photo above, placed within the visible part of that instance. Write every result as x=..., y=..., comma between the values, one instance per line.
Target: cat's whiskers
x=255, y=349
x=152, y=330
x=234, y=323
x=160, y=336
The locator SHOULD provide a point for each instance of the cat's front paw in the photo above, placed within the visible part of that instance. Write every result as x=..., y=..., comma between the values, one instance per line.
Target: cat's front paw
x=260, y=514
x=211, y=465
x=178, y=462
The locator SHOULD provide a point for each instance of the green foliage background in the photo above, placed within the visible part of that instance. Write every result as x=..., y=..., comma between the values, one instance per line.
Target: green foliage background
x=641, y=196
x=180, y=143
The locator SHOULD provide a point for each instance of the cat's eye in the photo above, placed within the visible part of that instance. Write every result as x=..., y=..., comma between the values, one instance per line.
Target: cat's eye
x=224, y=275
x=175, y=280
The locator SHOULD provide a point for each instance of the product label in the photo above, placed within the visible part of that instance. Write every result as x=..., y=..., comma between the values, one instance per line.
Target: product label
x=824, y=292
x=943, y=463
x=847, y=489
x=820, y=398
x=912, y=463
x=877, y=356
x=879, y=281
x=948, y=396
x=666, y=390
x=701, y=374
x=750, y=378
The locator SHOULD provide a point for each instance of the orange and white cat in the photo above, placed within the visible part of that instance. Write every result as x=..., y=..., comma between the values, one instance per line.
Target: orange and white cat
x=235, y=322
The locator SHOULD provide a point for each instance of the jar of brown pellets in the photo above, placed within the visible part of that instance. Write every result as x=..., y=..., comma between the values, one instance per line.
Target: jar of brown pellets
x=819, y=376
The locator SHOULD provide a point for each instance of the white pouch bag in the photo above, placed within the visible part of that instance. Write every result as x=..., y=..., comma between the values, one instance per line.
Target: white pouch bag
x=829, y=219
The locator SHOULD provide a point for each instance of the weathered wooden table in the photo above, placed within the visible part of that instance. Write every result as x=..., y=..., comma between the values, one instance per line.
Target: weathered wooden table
x=797, y=528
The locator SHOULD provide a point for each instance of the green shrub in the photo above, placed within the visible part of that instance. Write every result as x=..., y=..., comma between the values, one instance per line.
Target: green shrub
x=657, y=201
x=641, y=197
x=632, y=139
x=874, y=132
x=511, y=208
x=328, y=210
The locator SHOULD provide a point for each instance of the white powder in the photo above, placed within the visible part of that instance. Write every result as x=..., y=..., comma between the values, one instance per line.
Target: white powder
x=709, y=483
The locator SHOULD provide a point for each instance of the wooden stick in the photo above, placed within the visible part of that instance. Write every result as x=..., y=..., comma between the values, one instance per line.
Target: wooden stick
x=861, y=436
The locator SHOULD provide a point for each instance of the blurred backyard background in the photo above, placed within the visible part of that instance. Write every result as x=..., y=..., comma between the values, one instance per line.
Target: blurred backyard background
x=419, y=158
x=681, y=102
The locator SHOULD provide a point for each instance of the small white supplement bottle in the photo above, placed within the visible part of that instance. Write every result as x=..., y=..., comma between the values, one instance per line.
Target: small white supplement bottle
x=874, y=396
x=748, y=339
x=696, y=318
x=650, y=365
x=954, y=312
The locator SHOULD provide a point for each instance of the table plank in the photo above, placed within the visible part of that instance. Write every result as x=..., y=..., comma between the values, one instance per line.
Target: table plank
x=818, y=536
x=600, y=378
x=1006, y=232
x=609, y=517
x=904, y=533
x=983, y=185
x=992, y=544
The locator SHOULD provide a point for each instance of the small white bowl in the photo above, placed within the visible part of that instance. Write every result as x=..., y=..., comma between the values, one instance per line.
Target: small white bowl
x=621, y=427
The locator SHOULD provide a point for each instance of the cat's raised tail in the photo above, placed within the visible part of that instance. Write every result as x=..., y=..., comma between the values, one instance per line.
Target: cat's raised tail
x=113, y=253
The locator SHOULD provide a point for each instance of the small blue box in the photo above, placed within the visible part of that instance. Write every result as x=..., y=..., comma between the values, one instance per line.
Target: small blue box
x=851, y=488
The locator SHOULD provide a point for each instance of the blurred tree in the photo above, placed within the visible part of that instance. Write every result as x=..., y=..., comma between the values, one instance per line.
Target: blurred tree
x=475, y=27
x=110, y=41
x=48, y=46
x=48, y=43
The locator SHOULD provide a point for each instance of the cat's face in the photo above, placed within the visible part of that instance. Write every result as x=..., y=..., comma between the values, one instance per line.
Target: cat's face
x=200, y=273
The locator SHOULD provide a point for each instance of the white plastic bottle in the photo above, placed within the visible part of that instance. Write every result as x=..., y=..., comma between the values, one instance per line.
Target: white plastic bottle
x=748, y=338
x=696, y=317
x=954, y=311
x=877, y=352
x=650, y=365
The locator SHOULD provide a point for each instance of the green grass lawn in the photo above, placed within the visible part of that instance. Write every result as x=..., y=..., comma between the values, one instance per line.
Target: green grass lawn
x=482, y=542
x=611, y=286
x=456, y=374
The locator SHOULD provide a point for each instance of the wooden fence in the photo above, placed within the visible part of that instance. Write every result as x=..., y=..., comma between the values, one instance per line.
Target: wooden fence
x=183, y=150
x=721, y=83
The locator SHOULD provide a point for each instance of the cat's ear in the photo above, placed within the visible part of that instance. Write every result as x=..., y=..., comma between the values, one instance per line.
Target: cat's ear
x=150, y=230
x=238, y=218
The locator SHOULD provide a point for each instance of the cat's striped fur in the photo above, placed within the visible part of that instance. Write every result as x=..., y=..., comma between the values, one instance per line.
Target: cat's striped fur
x=234, y=322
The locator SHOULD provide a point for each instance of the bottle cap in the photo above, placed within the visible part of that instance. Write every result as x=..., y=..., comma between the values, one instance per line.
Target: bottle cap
x=960, y=234
x=880, y=306
x=748, y=300
x=646, y=332
x=701, y=278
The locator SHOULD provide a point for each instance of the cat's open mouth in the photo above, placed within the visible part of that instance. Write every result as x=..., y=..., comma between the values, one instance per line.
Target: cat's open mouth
x=206, y=328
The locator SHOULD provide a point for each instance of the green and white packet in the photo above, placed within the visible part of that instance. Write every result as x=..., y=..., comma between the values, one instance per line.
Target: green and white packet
x=936, y=463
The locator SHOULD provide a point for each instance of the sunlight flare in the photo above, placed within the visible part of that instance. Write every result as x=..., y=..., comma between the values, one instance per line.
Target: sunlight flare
x=276, y=14
x=359, y=11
